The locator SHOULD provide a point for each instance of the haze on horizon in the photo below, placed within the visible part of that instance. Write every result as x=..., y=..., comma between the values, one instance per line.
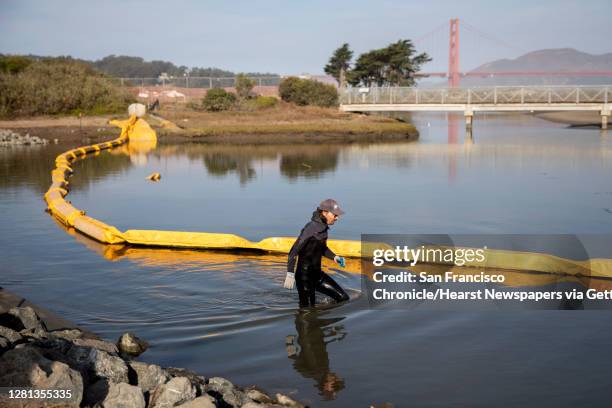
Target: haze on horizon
x=295, y=37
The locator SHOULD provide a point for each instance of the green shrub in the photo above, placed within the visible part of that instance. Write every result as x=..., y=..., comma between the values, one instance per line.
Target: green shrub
x=263, y=102
x=50, y=87
x=13, y=64
x=244, y=86
x=218, y=99
x=307, y=92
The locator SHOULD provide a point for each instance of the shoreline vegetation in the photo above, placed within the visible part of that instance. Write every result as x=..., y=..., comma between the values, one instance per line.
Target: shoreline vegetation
x=67, y=100
x=283, y=123
x=286, y=121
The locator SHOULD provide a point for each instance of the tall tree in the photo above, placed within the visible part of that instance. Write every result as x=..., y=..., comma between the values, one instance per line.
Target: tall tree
x=394, y=65
x=339, y=63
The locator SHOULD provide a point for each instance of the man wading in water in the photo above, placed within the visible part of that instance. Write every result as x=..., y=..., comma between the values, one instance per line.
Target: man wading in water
x=310, y=246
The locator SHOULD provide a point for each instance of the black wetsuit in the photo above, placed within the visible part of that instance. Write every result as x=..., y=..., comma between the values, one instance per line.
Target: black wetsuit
x=310, y=246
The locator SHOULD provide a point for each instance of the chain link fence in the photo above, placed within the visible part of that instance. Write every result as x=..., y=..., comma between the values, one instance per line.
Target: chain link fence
x=194, y=82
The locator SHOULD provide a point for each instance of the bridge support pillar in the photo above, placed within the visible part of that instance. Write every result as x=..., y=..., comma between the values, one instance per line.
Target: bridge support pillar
x=605, y=114
x=469, y=117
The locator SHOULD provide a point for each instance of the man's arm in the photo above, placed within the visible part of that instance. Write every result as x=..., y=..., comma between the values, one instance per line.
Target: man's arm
x=306, y=233
x=329, y=253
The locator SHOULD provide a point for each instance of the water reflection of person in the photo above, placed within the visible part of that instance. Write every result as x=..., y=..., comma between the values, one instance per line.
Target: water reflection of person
x=309, y=356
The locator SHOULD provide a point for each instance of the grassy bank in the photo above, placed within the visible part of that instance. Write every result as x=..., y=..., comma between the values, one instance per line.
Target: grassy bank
x=284, y=120
x=284, y=123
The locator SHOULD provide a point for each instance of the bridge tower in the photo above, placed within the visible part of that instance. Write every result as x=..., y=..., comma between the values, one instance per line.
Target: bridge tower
x=453, y=54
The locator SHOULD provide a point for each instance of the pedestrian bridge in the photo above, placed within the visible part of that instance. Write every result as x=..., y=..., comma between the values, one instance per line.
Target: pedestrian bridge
x=471, y=100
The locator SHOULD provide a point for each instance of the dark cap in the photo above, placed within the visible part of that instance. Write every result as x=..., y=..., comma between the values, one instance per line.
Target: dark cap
x=331, y=206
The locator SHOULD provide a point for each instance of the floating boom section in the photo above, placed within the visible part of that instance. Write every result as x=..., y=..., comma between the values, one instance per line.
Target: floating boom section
x=138, y=131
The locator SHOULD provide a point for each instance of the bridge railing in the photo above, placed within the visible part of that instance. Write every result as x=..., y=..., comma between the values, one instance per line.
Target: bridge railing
x=469, y=96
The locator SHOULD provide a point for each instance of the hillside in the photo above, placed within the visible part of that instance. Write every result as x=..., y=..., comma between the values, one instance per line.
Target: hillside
x=559, y=59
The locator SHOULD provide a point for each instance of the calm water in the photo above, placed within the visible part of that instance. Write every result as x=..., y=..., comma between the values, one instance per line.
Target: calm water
x=226, y=314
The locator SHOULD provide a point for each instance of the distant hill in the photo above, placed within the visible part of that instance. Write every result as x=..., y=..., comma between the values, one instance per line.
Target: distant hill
x=558, y=59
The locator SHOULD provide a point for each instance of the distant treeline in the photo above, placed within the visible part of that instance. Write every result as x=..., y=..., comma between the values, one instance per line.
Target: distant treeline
x=136, y=67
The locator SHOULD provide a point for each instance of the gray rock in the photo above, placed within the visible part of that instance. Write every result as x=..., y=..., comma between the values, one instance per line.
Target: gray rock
x=56, y=344
x=34, y=334
x=219, y=384
x=19, y=318
x=258, y=396
x=175, y=392
x=226, y=391
x=10, y=138
x=68, y=334
x=287, y=401
x=98, y=363
x=111, y=367
x=252, y=404
x=4, y=344
x=257, y=405
x=26, y=367
x=130, y=344
x=148, y=376
x=95, y=393
x=98, y=344
x=9, y=334
x=197, y=380
x=123, y=395
x=205, y=401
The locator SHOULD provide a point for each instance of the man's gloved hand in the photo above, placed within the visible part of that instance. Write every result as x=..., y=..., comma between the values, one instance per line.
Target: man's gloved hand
x=340, y=261
x=289, y=280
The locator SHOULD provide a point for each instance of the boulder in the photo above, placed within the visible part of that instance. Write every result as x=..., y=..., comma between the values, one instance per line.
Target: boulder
x=4, y=344
x=148, y=376
x=35, y=333
x=55, y=348
x=25, y=366
x=225, y=390
x=258, y=396
x=123, y=395
x=288, y=401
x=10, y=334
x=96, y=392
x=130, y=344
x=68, y=334
x=219, y=384
x=257, y=405
x=19, y=318
x=98, y=363
x=205, y=401
x=196, y=380
x=252, y=404
x=175, y=392
x=98, y=344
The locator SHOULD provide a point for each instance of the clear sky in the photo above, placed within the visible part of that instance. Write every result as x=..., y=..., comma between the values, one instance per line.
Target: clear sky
x=293, y=37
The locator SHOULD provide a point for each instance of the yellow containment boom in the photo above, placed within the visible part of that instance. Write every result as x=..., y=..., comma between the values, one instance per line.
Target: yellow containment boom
x=138, y=132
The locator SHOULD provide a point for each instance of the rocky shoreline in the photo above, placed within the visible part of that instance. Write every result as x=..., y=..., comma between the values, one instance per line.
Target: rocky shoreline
x=10, y=138
x=101, y=374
